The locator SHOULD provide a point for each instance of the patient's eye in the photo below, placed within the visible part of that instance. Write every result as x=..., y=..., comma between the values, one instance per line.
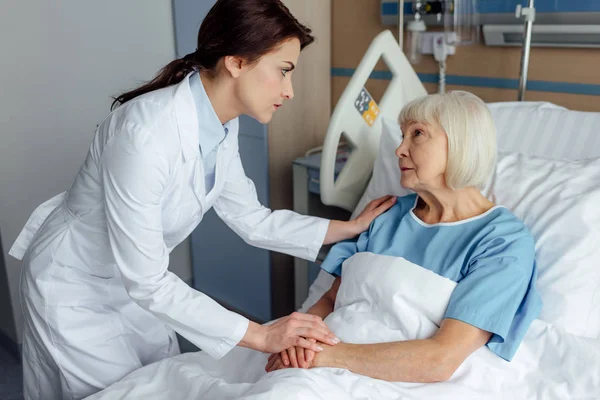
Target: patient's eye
x=418, y=133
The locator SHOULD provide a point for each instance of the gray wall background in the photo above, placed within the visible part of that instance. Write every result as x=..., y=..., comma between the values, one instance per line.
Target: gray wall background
x=61, y=62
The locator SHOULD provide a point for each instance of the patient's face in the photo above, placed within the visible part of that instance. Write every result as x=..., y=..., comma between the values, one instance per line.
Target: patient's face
x=423, y=156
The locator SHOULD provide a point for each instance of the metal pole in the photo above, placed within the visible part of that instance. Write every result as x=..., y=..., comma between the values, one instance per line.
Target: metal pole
x=401, y=24
x=529, y=14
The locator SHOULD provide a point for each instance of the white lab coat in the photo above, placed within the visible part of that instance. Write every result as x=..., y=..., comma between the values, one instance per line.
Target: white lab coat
x=98, y=299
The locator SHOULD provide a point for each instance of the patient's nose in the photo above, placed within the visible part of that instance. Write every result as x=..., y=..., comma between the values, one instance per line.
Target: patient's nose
x=402, y=150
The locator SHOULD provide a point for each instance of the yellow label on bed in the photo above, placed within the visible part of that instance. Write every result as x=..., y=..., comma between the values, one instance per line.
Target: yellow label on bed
x=367, y=107
x=371, y=114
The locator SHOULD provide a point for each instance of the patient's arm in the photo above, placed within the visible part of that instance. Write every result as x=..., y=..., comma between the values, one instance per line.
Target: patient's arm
x=324, y=306
x=427, y=360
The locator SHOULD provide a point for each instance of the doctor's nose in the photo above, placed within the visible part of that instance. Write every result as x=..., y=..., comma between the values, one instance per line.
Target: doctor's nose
x=288, y=91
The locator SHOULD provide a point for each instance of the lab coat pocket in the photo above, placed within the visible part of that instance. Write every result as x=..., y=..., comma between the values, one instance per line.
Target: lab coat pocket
x=70, y=286
x=78, y=307
x=78, y=325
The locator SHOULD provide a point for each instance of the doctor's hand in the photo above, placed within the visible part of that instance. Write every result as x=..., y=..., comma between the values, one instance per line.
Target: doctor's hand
x=342, y=230
x=295, y=330
x=373, y=210
x=275, y=362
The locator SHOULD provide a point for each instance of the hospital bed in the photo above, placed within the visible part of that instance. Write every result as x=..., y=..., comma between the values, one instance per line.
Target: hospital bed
x=548, y=174
x=530, y=128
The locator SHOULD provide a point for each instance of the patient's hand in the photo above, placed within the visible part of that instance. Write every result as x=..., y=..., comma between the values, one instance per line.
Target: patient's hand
x=298, y=357
x=294, y=357
x=281, y=361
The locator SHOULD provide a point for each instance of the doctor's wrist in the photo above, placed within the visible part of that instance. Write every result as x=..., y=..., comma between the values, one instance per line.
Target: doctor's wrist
x=341, y=230
x=350, y=229
x=255, y=337
x=356, y=228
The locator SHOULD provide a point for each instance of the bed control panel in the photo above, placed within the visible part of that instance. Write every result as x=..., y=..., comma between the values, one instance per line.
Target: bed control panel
x=367, y=107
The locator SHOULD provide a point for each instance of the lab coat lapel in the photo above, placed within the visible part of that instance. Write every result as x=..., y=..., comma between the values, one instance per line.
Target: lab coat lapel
x=187, y=120
x=189, y=134
x=192, y=122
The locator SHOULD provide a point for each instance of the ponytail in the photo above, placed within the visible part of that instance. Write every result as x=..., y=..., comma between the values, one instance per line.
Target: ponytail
x=171, y=74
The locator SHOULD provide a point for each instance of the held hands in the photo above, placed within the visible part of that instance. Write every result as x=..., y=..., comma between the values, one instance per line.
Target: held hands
x=296, y=330
x=294, y=357
x=305, y=351
x=298, y=357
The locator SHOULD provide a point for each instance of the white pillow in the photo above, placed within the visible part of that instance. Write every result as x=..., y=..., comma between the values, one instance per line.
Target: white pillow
x=523, y=105
x=548, y=131
x=559, y=201
x=386, y=172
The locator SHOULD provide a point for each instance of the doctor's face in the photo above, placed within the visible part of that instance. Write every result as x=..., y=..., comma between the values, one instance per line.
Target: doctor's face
x=264, y=86
x=423, y=156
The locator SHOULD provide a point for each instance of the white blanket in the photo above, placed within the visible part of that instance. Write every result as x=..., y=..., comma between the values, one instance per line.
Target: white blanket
x=381, y=299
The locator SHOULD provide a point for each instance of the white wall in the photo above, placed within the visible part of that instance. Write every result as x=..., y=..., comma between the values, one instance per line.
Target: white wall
x=61, y=61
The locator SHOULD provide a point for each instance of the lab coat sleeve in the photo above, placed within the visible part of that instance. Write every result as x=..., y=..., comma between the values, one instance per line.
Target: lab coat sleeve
x=135, y=175
x=282, y=230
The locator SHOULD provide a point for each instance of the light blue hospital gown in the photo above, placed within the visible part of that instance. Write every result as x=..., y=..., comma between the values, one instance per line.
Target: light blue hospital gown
x=491, y=257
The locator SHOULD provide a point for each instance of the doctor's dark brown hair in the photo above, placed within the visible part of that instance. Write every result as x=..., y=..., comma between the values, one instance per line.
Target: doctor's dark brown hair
x=244, y=28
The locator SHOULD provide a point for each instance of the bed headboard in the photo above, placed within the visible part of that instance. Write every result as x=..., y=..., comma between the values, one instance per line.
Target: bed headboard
x=358, y=118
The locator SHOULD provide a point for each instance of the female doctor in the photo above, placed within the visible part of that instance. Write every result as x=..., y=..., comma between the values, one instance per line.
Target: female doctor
x=98, y=299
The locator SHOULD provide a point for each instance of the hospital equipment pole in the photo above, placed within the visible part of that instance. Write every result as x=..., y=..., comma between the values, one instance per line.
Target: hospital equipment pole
x=529, y=14
x=401, y=24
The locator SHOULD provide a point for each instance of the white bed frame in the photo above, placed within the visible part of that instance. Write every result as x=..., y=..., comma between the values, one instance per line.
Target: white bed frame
x=346, y=120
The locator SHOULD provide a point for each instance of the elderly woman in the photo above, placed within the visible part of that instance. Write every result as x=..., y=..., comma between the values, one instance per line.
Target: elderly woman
x=447, y=155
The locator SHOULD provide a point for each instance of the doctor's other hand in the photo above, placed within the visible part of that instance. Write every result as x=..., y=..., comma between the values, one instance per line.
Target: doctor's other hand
x=371, y=211
x=294, y=330
x=275, y=362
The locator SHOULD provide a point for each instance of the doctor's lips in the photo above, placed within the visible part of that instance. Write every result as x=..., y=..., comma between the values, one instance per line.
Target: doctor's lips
x=277, y=106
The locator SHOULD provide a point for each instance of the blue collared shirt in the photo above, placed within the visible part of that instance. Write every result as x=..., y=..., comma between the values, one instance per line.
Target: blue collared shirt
x=209, y=138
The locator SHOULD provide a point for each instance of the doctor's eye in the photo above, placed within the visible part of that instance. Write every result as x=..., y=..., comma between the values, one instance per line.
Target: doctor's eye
x=284, y=71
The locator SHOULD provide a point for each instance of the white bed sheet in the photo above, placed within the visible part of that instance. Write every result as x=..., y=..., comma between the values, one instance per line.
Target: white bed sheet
x=391, y=300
